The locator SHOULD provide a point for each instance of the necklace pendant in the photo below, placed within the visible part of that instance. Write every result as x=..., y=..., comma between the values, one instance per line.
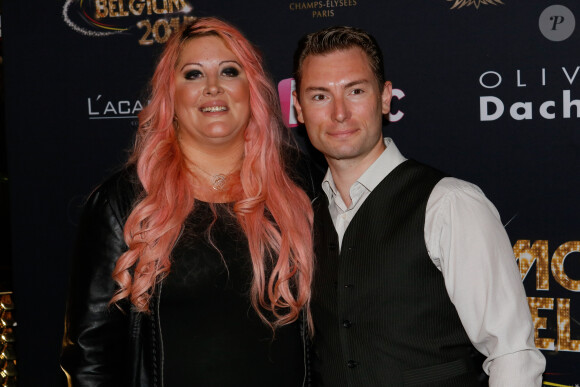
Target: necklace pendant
x=218, y=182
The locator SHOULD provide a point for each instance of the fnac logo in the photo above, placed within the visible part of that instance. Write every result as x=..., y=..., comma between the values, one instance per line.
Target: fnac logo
x=99, y=18
x=285, y=89
x=288, y=85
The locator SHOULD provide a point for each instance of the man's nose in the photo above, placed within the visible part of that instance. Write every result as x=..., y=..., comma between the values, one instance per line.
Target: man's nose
x=341, y=110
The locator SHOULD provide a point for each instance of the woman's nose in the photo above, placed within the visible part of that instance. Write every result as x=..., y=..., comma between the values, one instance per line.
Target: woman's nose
x=213, y=86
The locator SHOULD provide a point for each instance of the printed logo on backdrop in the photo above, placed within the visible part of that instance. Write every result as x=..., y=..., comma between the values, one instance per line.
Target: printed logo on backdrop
x=554, y=306
x=557, y=23
x=551, y=315
x=150, y=21
x=100, y=107
x=476, y=3
x=558, y=84
x=288, y=85
x=322, y=8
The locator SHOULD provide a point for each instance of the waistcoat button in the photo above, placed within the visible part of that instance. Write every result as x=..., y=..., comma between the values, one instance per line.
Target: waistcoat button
x=346, y=323
x=351, y=364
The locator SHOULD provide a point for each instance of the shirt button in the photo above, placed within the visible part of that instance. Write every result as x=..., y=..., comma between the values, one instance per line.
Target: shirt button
x=351, y=364
x=346, y=323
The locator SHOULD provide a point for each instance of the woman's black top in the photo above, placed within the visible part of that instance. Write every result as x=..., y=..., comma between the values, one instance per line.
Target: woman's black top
x=211, y=334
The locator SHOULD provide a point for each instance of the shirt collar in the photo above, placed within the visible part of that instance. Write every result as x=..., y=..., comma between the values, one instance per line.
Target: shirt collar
x=379, y=169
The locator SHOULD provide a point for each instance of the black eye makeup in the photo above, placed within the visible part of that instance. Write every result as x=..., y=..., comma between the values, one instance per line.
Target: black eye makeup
x=192, y=74
x=230, y=71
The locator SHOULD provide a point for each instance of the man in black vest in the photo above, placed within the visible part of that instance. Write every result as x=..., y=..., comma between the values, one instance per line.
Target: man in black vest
x=414, y=269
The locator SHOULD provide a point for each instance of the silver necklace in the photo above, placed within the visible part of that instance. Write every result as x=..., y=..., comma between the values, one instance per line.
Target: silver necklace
x=219, y=180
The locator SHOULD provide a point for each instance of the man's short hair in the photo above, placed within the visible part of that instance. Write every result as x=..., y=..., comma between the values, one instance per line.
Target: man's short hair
x=339, y=38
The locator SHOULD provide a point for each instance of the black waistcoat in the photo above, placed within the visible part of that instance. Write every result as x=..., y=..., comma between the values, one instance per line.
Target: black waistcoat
x=381, y=311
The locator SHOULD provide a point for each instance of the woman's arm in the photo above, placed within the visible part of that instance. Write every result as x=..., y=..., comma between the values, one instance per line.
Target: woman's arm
x=96, y=334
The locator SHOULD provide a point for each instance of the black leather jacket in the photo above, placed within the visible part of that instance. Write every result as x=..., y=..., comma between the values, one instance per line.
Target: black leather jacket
x=107, y=345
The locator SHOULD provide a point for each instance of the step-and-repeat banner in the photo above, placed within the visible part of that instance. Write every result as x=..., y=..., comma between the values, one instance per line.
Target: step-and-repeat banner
x=486, y=90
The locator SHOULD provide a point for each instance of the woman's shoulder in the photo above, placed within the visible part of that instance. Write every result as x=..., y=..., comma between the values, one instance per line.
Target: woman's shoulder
x=119, y=191
x=124, y=181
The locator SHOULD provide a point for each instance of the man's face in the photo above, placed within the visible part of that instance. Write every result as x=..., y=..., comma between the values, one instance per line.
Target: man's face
x=341, y=105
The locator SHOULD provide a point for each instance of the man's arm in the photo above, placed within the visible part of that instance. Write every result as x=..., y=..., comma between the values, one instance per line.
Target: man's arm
x=467, y=242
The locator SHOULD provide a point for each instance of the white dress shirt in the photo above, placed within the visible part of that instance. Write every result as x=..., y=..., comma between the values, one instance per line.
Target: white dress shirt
x=467, y=242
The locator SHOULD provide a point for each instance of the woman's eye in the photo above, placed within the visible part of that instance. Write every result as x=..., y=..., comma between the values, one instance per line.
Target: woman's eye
x=193, y=74
x=231, y=72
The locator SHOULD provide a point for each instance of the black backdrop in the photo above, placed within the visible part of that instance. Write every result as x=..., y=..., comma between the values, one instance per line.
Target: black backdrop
x=76, y=74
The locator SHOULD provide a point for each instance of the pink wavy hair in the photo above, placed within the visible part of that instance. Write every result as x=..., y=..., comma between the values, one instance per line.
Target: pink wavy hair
x=273, y=211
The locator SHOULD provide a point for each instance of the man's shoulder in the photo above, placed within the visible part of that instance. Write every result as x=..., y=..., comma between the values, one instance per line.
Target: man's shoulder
x=452, y=194
x=453, y=185
x=446, y=182
x=416, y=171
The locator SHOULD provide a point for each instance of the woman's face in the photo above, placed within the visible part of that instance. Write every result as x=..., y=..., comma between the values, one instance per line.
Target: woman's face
x=212, y=95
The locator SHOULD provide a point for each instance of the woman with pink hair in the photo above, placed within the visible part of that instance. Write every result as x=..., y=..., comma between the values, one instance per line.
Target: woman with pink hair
x=194, y=263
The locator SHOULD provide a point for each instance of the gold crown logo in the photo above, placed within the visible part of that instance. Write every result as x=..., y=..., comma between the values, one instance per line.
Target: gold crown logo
x=466, y=3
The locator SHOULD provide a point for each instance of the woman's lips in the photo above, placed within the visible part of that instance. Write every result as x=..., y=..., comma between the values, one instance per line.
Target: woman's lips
x=213, y=109
x=216, y=106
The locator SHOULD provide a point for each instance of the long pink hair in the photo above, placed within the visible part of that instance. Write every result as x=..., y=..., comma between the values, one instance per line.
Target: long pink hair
x=273, y=211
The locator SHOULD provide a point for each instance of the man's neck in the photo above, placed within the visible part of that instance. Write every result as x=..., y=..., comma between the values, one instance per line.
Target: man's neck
x=345, y=172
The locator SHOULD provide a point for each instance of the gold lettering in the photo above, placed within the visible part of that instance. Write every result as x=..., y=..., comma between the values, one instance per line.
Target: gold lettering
x=160, y=31
x=324, y=13
x=306, y=5
x=174, y=24
x=536, y=303
x=146, y=24
x=178, y=4
x=565, y=342
x=558, y=259
x=101, y=9
x=538, y=253
x=122, y=11
x=189, y=19
x=136, y=9
x=162, y=10
x=339, y=3
x=113, y=8
x=161, y=38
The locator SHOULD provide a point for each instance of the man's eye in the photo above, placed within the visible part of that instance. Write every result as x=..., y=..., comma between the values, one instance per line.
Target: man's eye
x=318, y=97
x=193, y=74
x=231, y=72
x=357, y=91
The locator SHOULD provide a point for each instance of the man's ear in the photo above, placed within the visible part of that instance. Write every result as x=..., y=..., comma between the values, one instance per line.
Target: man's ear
x=386, y=97
x=298, y=108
